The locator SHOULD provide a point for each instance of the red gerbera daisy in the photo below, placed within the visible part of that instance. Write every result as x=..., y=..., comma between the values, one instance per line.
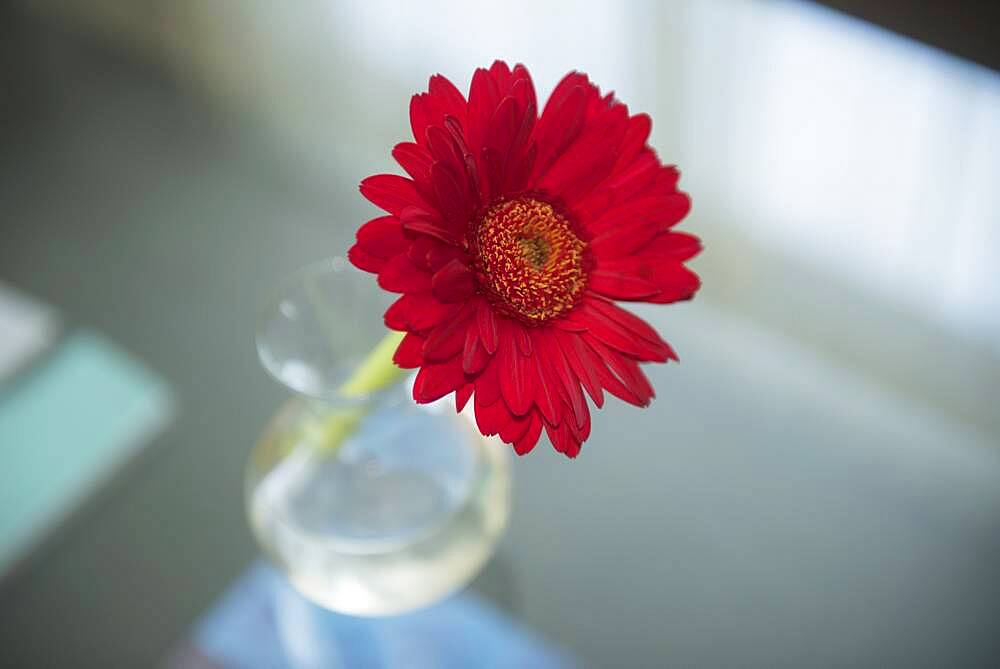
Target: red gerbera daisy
x=509, y=242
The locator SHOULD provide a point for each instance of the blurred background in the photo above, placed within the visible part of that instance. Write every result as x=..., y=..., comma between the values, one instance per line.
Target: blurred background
x=818, y=482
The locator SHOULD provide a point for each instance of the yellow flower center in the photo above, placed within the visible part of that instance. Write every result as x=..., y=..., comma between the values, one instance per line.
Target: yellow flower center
x=529, y=262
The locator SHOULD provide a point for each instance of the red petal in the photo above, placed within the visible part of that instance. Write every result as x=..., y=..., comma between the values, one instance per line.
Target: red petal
x=527, y=441
x=500, y=72
x=395, y=316
x=444, y=148
x=382, y=237
x=420, y=117
x=408, y=354
x=630, y=322
x=673, y=281
x=447, y=97
x=415, y=160
x=567, y=324
x=589, y=159
x=434, y=381
x=419, y=250
x=523, y=88
x=638, y=180
x=566, y=87
x=622, y=187
x=676, y=283
x=421, y=221
x=624, y=240
x=555, y=357
x=621, y=286
x=629, y=372
x=487, y=327
x=611, y=332
x=665, y=181
x=504, y=126
x=515, y=428
x=431, y=108
x=417, y=311
x=674, y=246
x=364, y=261
x=523, y=340
x=453, y=282
x=559, y=126
x=441, y=254
x=517, y=378
x=524, y=93
x=492, y=418
x=519, y=172
x=546, y=391
x=446, y=340
x=510, y=130
x=572, y=349
x=594, y=361
x=469, y=167
x=488, y=383
x=580, y=432
x=520, y=155
x=452, y=200
x=662, y=210
x=484, y=96
x=492, y=164
x=563, y=440
x=392, y=193
x=400, y=275
x=625, y=369
x=462, y=396
x=635, y=138
x=576, y=176
x=563, y=115
x=474, y=356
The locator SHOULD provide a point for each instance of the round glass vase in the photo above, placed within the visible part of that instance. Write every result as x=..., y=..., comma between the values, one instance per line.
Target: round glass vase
x=369, y=503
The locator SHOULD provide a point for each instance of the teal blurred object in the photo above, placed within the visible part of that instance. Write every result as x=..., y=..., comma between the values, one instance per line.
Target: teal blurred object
x=66, y=426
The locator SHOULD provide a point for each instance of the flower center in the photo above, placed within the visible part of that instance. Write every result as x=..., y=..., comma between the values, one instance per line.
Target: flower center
x=528, y=261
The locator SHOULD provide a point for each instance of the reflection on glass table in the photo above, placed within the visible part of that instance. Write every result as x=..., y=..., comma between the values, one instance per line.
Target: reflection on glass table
x=263, y=623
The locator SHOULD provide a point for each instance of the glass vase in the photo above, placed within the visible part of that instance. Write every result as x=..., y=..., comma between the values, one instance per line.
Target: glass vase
x=370, y=504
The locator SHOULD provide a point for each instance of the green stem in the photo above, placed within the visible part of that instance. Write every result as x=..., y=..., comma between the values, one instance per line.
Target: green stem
x=376, y=372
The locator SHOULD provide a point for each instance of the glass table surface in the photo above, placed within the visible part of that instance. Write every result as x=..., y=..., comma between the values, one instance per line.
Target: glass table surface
x=774, y=507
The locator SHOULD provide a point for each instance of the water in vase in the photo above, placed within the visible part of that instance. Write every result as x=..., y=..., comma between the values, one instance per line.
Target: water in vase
x=395, y=515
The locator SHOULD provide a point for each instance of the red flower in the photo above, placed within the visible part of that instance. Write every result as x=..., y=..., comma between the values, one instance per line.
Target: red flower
x=511, y=240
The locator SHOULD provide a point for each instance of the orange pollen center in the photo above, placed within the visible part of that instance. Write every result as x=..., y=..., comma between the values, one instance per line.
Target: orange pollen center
x=528, y=261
